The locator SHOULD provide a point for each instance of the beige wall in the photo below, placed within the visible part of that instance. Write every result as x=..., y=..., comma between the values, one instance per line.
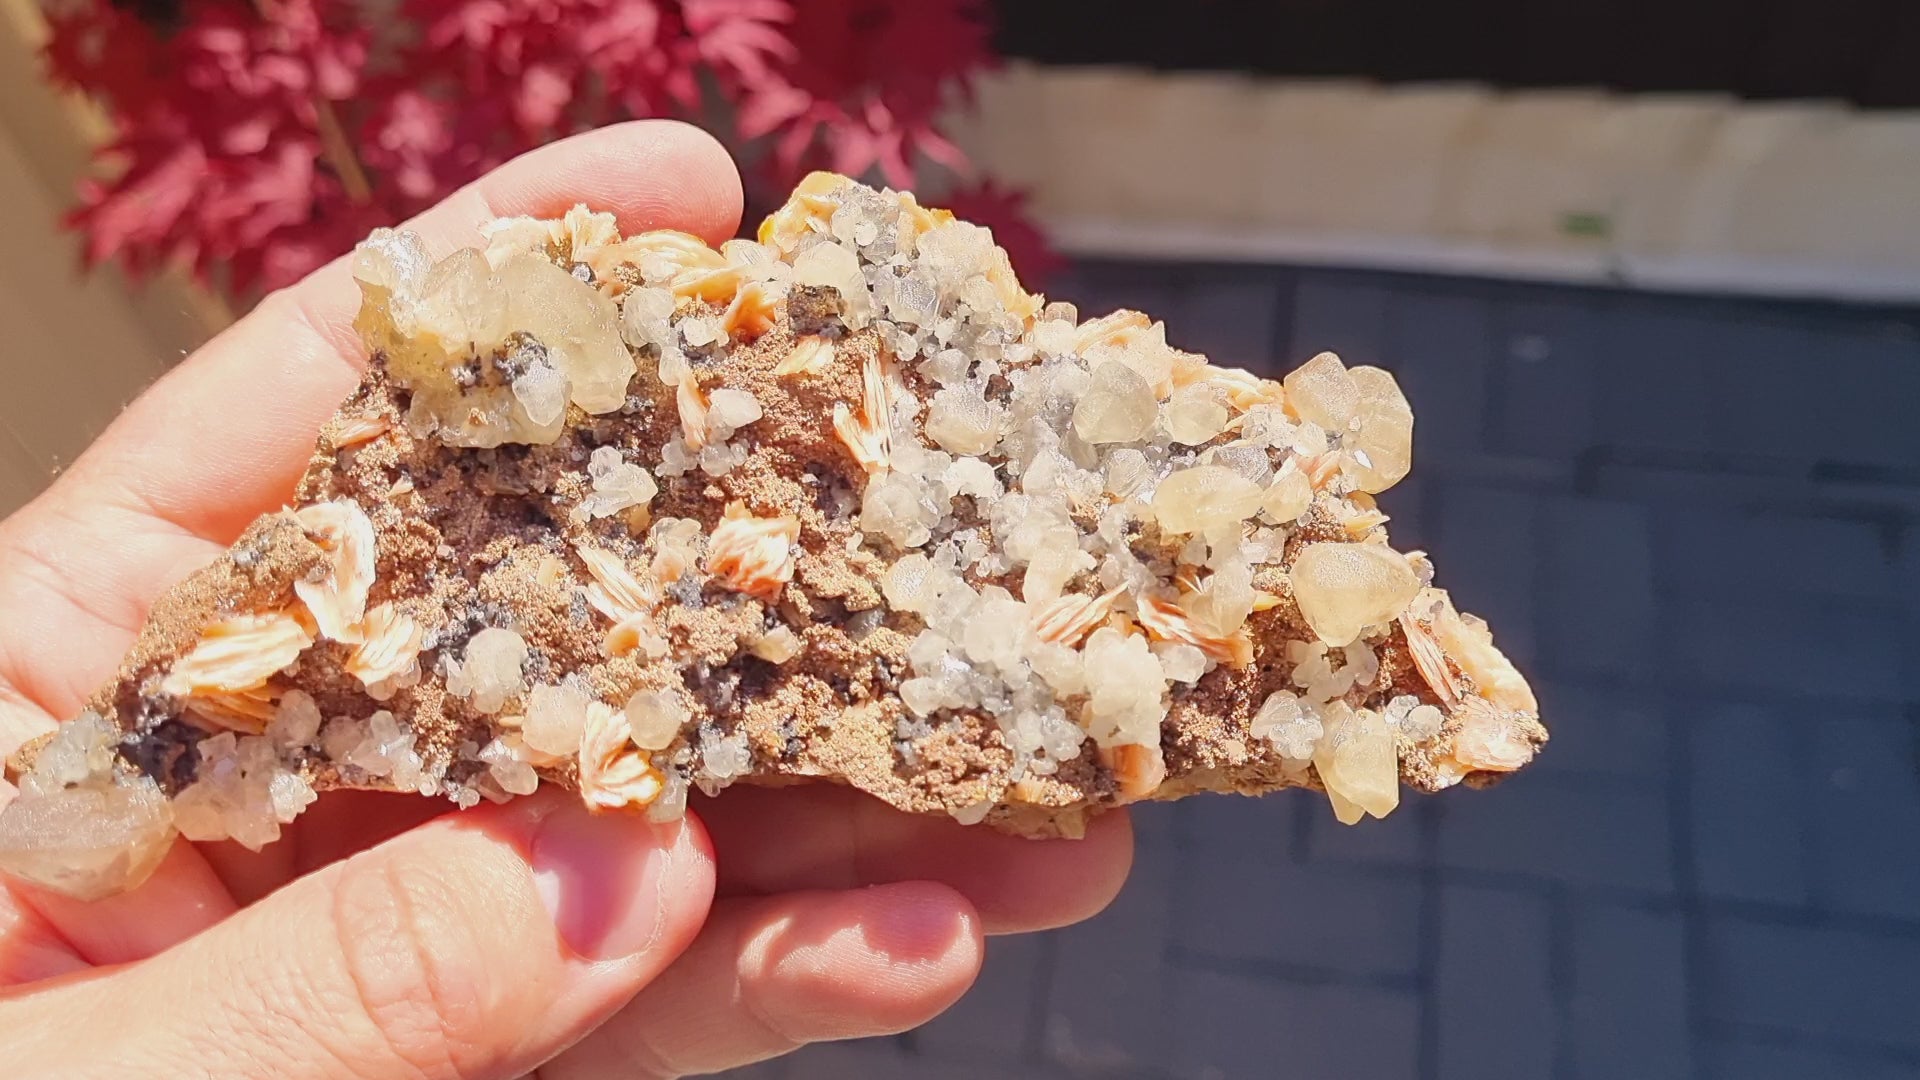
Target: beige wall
x=1681, y=192
x=75, y=348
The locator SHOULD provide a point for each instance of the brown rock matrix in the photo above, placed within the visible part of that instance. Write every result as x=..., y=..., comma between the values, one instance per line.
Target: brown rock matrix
x=634, y=516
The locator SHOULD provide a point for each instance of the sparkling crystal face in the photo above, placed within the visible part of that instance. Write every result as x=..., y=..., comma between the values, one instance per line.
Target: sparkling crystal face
x=636, y=515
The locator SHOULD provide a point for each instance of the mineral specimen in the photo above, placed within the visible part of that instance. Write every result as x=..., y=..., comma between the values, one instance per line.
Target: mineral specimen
x=632, y=515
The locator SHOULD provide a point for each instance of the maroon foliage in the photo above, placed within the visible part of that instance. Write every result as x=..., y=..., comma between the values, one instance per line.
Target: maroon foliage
x=254, y=141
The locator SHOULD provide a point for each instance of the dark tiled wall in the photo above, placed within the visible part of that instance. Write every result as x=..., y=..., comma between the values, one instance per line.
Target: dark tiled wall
x=1693, y=522
x=1854, y=50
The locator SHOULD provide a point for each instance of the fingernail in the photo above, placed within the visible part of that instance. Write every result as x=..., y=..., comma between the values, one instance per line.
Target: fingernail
x=600, y=876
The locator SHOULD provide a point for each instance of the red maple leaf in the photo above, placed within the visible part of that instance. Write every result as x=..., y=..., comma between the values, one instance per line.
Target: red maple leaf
x=255, y=139
x=866, y=83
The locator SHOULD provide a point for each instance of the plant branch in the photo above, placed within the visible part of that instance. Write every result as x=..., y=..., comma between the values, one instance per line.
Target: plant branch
x=334, y=147
x=339, y=153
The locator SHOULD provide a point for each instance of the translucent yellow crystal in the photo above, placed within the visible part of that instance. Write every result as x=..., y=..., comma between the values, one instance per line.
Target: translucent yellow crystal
x=1323, y=392
x=1344, y=588
x=1381, y=451
x=1356, y=762
x=1119, y=407
x=1205, y=497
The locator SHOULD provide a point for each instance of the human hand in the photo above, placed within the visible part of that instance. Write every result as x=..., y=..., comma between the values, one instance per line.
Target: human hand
x=383, y=936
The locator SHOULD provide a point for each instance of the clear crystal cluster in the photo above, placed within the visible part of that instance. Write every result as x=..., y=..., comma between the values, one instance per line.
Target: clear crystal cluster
x=852, y=462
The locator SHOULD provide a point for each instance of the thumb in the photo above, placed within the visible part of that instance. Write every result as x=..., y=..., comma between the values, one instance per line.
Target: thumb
x=476, y=946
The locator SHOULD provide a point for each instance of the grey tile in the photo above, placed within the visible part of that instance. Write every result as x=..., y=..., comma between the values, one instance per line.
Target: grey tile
x=992, y=1023
x=882, y=1059
x=1730, y=553
x=927, y=1067
x=1757, y=368
x=1341, y=314
x=1110, y=1001
x=1234, y=1028
x=1627, y=1009
x=1235, y=827
x=1099, y=288
x=1597, y=608
x=1906, y=589
x=1658, y=382
x=777, y=1069
x=1486, y=551
x=1851, y=406
x=1398, y=840
x=1603, y=729
x=1866, y=802
x=1493, y=988
x=1766, y=644
x=1406, y=504
x=1322, y=918
x=1553, y=827
x=1439, y=349
x=1835, y=984
x=1749, y=1059
x=1547, y=349
x=1749, y=796
x=1230, y=317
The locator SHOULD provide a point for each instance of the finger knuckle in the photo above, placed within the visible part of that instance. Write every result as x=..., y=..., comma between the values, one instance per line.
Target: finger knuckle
x=414, y=971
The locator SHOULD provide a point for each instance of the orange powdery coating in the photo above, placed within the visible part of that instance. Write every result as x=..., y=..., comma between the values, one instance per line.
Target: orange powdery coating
x=237, y=654
x=389, y=645
x=339, y=600
x=1166, y=620
x=614, y=773
x=868, y=436
x=753, y=555
x=809, y=355
x=1073, y=616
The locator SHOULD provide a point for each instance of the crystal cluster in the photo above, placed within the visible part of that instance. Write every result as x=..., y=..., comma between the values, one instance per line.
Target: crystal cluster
x=636, y=516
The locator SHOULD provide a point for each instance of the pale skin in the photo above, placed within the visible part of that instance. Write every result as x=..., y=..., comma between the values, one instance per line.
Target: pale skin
x=386, y=936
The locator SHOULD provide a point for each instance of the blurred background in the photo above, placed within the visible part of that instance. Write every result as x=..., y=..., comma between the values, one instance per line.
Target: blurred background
x=1649, y=273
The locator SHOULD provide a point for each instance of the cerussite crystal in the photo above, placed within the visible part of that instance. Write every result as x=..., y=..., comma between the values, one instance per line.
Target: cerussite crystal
x=633, y=515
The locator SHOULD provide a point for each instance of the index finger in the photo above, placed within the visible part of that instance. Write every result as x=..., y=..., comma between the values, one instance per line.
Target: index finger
x=821, y=836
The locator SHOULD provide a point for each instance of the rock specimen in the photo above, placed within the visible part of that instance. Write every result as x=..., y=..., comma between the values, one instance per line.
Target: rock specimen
x=634, y=516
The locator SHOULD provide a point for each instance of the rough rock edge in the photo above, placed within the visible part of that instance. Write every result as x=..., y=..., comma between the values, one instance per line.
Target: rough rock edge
x=1205, y=739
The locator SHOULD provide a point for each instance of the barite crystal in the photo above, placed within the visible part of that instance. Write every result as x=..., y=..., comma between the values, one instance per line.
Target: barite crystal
x=632, y=515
